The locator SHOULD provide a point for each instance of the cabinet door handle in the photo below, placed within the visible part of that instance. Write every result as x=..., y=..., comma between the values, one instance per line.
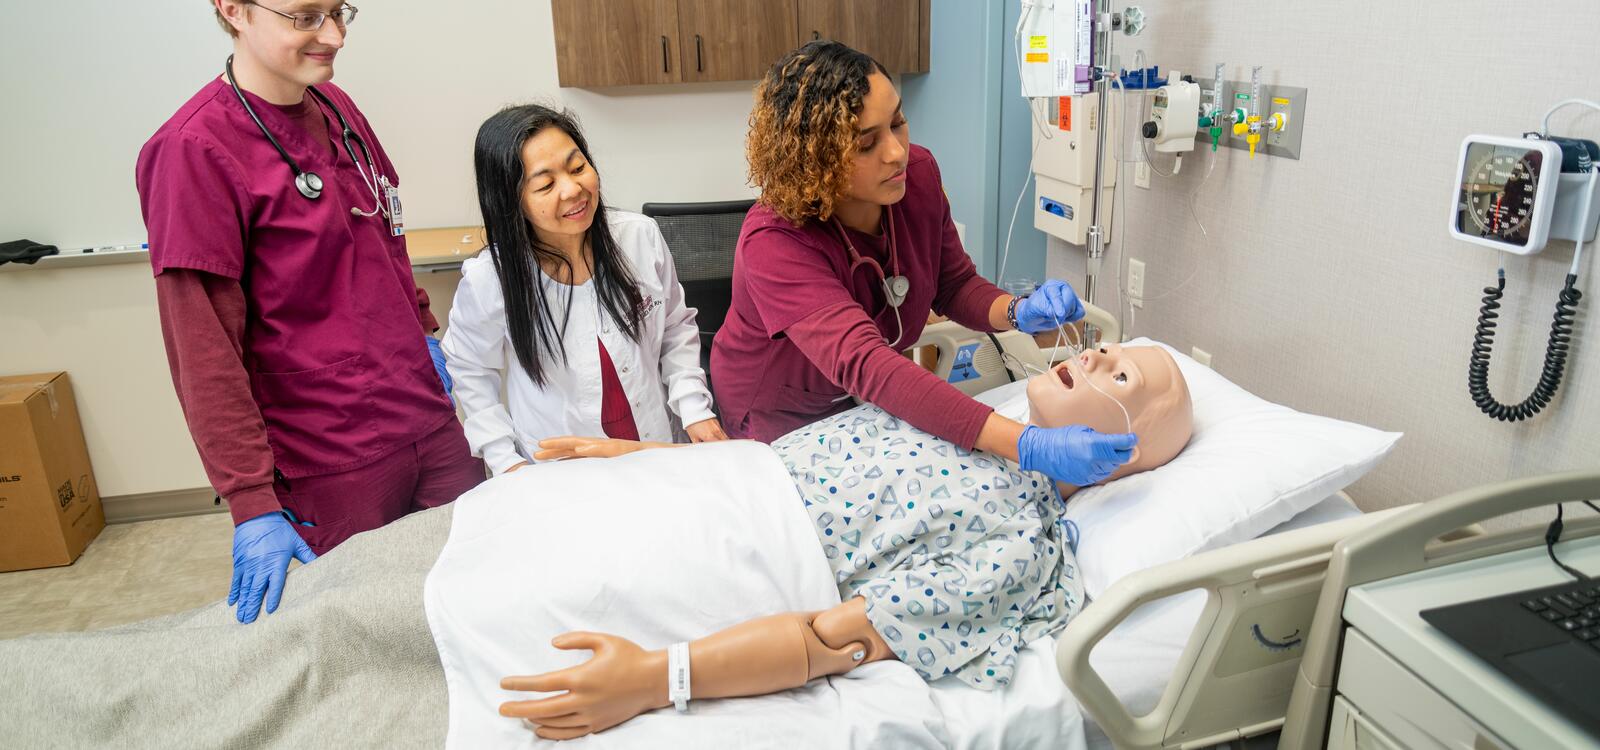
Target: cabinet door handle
x=815, y=35
x=699, y=64
x=664, y=55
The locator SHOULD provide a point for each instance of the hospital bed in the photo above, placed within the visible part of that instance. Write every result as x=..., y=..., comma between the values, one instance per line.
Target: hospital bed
x=351, y=640
x=1173, y=656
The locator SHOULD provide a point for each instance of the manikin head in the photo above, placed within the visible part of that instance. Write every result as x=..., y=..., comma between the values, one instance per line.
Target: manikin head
x=1146, y=381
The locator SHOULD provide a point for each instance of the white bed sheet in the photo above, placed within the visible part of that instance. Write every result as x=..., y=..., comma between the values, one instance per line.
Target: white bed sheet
x=886, y=702
x=1136, y=661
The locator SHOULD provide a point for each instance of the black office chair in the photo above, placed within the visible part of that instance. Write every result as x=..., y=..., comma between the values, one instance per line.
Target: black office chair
x=702, y=237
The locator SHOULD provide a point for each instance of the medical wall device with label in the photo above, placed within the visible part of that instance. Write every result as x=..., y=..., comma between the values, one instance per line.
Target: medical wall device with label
x=1515, y=195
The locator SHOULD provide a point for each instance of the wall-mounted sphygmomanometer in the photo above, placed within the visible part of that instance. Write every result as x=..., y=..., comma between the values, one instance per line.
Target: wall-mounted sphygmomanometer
x=1515, y=195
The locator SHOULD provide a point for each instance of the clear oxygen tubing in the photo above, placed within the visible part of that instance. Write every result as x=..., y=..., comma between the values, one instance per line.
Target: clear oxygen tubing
x=1039, y=122
x=1033, y=370
x=1194, y=213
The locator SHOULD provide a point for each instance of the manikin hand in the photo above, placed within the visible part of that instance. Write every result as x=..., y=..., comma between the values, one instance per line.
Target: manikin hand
x=706, y=431
x=620, y=682
x=755, y=657
x=562, y=448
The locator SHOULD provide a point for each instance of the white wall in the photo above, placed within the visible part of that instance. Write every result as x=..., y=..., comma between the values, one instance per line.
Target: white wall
x=1330, y=283
x=84, y=85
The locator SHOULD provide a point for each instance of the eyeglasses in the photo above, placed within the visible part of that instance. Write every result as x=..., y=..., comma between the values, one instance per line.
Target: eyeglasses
x=344, y=15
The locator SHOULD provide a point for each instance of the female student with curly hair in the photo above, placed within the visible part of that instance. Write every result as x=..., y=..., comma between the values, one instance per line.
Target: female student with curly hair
x=849, y=248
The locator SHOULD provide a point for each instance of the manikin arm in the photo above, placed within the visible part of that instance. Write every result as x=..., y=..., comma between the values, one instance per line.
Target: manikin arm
x=756, y=657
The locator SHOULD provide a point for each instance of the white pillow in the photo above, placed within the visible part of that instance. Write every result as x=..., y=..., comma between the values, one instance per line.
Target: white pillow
x=1250, y=466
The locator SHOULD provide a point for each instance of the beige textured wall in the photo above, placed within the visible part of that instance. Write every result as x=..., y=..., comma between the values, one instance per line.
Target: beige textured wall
x=1330, y=283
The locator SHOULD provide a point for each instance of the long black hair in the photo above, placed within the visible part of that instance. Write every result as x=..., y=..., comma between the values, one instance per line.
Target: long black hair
x=517, y=252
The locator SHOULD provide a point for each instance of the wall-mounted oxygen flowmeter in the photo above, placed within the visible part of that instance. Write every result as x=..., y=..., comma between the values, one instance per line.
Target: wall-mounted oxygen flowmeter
x=1514, y=195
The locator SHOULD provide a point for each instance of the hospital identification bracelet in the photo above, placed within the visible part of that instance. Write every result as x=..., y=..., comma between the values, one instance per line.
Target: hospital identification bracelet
x=678, y=675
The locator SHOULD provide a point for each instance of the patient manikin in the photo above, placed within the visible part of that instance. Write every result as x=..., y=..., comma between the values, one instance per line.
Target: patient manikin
x=947, y=560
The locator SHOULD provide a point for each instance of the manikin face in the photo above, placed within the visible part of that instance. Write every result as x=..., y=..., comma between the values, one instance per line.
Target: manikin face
x=1086, y=389
x=293, y=59
x=883, y=146
x=559, y=186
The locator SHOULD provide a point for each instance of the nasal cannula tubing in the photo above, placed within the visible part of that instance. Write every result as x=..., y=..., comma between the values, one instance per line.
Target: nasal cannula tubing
x=1034, y=370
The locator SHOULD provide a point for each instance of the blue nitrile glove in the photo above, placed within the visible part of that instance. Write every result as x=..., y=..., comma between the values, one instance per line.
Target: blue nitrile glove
x=438, y=364
x=1049, y=306
x=1075, y=454
x=262, y=547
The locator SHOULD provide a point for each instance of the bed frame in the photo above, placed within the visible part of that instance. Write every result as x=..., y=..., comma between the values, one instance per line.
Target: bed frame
x=1236, y=675
x=949, y=338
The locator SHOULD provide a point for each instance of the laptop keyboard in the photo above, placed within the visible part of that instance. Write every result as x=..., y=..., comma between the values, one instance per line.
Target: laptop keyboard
x=1574, y=608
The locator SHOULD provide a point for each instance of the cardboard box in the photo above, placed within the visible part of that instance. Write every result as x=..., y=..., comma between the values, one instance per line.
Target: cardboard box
x=49, y=504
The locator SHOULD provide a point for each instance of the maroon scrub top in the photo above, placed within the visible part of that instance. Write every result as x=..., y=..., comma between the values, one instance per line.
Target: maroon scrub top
x=334, y=340
x=805, y=332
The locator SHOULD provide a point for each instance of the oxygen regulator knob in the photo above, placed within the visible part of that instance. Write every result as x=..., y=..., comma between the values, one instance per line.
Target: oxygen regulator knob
x=1150, y=130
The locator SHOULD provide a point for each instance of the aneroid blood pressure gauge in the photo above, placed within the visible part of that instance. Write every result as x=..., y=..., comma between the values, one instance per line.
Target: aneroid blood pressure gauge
x=1506, y=192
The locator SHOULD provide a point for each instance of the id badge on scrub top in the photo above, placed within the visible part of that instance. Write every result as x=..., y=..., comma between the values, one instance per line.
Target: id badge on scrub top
x=391, y=199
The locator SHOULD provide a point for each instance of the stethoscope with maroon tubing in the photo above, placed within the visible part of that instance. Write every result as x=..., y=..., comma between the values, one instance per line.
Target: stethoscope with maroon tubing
x=896, y=287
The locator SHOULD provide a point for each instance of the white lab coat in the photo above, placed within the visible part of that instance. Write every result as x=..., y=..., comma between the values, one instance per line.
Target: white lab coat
x=662, y=369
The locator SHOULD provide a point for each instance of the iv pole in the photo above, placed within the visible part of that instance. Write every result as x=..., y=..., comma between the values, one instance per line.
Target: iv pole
x=1101, y=60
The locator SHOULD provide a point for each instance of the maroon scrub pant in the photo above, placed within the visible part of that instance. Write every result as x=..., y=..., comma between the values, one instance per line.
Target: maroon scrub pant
x=426, y=474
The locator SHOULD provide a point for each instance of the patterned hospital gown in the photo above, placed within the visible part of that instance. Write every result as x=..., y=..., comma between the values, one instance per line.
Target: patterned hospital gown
x=958, y=553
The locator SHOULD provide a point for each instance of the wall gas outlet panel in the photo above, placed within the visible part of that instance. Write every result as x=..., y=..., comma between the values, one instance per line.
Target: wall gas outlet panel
x=1290, y=101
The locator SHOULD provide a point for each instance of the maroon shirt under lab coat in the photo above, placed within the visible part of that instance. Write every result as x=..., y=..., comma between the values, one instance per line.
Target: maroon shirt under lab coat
x=332, y=339
x=804, y=332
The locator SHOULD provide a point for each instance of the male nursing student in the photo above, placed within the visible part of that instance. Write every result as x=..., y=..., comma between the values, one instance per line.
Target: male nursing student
x=297, y=338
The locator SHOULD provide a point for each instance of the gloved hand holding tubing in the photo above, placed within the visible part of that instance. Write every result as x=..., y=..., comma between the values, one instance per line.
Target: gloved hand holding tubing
x=1051, y=305
x=1074, y=454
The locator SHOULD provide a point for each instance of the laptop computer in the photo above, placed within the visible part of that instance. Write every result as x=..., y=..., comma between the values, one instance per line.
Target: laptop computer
x=1546, y=640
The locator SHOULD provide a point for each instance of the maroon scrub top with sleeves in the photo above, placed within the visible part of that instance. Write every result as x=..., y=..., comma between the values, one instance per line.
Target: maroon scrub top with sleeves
x=805, y=332
x=334, y=341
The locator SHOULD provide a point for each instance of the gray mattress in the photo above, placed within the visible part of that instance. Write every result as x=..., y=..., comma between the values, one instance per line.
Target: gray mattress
x=347, y=660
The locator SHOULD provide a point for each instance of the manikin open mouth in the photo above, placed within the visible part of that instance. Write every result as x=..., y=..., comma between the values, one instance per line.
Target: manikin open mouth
x=1065, y=373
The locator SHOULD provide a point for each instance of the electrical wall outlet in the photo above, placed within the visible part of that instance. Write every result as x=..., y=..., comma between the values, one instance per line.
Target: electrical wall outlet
x=1136, y=282
x=1141, y=175
x=1200, y=355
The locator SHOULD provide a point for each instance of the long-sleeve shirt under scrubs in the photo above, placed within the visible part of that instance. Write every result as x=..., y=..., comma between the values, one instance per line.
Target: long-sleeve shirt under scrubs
x=806, y=331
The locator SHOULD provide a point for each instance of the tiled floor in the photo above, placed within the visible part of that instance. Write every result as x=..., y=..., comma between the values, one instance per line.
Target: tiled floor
x=132, y=572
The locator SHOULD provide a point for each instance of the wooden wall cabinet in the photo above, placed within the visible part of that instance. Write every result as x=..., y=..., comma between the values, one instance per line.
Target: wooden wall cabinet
x=892, y=31
x=642, y=42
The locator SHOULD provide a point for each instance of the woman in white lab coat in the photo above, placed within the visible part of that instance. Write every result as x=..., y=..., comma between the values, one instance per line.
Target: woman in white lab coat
x=574, y=312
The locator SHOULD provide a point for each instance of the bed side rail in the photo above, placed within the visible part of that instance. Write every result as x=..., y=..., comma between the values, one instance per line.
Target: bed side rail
x=1237, y=671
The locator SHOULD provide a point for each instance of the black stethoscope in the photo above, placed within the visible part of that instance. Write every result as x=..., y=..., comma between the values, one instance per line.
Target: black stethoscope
x=309, y=183
x=896, y=287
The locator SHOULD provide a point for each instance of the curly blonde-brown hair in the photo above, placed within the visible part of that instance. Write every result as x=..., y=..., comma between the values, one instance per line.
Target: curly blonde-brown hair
x=803, y=128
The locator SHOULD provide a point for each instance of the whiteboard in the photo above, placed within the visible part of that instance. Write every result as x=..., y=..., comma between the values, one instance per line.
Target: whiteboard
x=85, y=84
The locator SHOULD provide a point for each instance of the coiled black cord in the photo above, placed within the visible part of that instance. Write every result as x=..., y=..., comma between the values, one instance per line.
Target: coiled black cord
x=1555, y=353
